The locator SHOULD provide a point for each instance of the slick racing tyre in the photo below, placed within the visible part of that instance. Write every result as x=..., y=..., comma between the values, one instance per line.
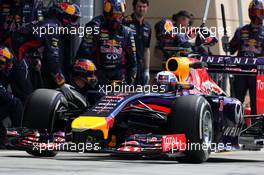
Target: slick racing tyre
x=41, y=113
x=192, y=116
x=41, y=110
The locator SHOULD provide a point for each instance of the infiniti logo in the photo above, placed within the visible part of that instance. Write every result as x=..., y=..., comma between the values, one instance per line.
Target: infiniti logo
x=111, y=56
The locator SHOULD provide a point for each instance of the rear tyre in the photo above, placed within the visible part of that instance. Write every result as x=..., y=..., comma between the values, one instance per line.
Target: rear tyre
x=192, y=116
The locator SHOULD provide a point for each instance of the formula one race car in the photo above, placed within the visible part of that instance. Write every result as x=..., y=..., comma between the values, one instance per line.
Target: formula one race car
x=188, y=121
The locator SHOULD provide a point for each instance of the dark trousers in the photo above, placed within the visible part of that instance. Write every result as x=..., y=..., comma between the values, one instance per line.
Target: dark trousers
x=21, y=81
x=240, y=86
x=14, y=110
x=140, y=79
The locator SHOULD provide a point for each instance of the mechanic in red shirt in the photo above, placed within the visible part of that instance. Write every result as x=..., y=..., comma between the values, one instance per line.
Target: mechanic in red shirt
x=248, y=41
x=142, y=33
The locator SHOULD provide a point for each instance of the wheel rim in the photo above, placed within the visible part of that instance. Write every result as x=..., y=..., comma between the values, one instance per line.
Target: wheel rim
x=207, y=128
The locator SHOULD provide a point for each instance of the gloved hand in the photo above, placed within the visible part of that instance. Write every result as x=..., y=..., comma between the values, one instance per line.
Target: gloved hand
x=225, y=43
x=93, y=82
x=210, y=41
x=37, y=65
x=67, y=92
x=131, y=78
x=146, y=76
x=191, y=34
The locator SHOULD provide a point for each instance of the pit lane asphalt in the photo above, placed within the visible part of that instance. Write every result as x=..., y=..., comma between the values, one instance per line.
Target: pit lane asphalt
x=231, y=163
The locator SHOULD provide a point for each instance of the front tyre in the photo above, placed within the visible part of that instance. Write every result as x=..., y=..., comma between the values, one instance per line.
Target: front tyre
x=192, y=116
x=41, y=113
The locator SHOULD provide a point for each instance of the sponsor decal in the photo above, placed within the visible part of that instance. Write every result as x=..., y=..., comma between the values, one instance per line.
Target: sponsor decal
x=211, y=88
x=104, y=35
x=229, y=60
x=260, y=85
x=260, y=94
x=111, y=50
x=221, y=107
x=173, y=142
x=107, y=103
x=245, y=36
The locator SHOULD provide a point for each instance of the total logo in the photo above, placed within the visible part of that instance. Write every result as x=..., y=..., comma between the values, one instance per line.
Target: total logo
x=260, y=85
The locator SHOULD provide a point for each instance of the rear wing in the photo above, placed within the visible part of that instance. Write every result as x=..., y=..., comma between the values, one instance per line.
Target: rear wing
x=240, y=66
x=234, y=65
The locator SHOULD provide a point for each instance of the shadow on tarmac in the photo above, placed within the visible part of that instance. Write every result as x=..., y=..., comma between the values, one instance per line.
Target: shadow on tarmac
x=131, y=159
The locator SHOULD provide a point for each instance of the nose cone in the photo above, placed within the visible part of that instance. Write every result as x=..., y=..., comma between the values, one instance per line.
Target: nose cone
x=92, y=123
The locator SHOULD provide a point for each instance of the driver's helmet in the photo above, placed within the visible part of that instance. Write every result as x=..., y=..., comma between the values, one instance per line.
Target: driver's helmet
x=6, y=59
x=114, y=10
x=68, y=14
x=166, y=80
x=256, y=11
x=85, y=70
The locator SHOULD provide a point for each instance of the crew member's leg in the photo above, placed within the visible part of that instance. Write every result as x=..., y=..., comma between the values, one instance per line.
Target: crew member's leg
x=21, y=81
x=240, y=87
x=14, y=110
x=252, y=93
